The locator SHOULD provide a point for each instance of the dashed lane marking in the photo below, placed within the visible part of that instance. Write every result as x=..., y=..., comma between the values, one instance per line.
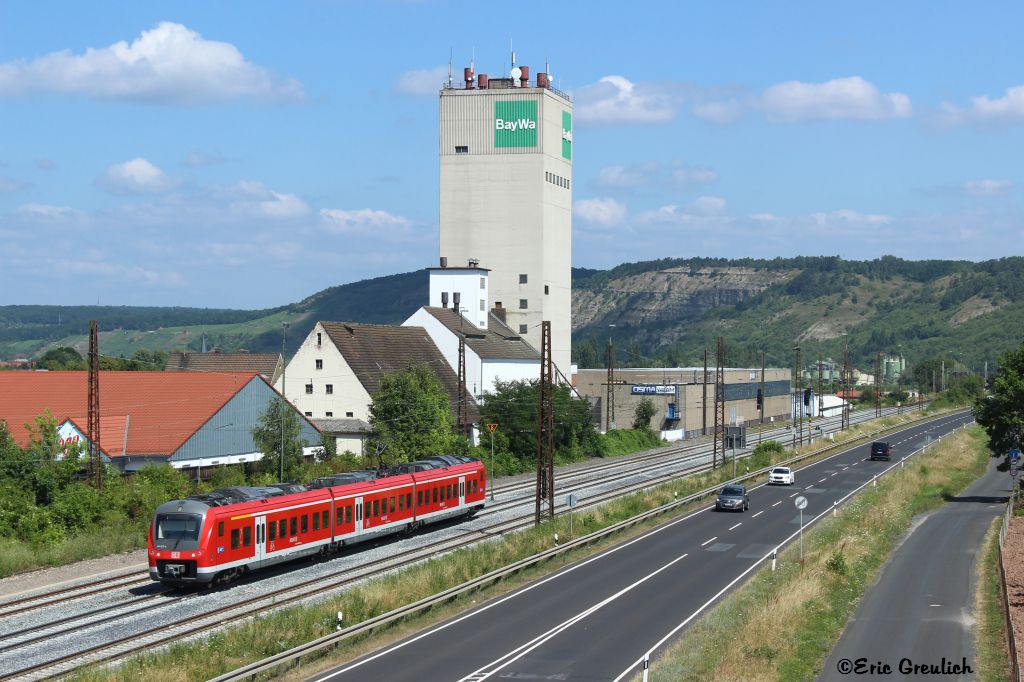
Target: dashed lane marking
x=777, y=503
x=736, y=526
x=704, y=544
x=758, y=514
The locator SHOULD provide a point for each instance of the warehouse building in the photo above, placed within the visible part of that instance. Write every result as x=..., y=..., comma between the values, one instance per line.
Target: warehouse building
x=685, y=404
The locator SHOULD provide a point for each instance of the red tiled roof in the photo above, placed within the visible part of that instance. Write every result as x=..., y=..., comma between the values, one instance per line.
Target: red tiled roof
x=848, y=394
x=113, y=431
x=164, y=408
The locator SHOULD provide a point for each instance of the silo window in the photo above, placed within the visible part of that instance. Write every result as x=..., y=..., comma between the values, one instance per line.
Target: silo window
x=309, y=388
x=483, y=282
x=523, y=329
x=481, y=305
x=319, y=363
x=522, y=279
x=319, y=337
x=523, y=304
x=348, y=414
x=309, y=414
x=546, y=292
x=329, y=414
x=330, y=389
x=461, y=149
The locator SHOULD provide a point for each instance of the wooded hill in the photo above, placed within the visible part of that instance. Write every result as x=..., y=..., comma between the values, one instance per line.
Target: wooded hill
x=664, y=313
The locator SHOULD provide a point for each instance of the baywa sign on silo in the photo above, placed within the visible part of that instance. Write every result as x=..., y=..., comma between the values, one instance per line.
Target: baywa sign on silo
x=515, y=123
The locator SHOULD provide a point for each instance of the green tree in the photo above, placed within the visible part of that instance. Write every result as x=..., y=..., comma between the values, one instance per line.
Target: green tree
x=61, y=358
x=515, y=406
x=411, y=417
x=267, y=437
x=1002, y=413
x=643, y=413
x=965, y=389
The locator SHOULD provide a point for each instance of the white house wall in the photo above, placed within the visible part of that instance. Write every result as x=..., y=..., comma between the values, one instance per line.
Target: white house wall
x=348, y=399
x=509, y=370
x=471, y=283
x=448, y=343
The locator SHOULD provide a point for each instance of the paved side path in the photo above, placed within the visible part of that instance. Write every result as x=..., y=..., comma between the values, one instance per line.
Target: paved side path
x=57, y=575
x=922, y=606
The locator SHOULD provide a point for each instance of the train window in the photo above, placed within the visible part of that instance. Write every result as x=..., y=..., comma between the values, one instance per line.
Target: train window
x=419, y=498
x=316, y=522
x=401, y=503
x=408, y=500
x=376, y=508
x=392, y=505
x=340, y=517
x=234, y=538
x=348, y=514
x=282, y=528
x=433, y=495
x=273, y=530
x=220, y=529
x=305, y=523
x=247, y=536
x=325, y=518
x=294, y=525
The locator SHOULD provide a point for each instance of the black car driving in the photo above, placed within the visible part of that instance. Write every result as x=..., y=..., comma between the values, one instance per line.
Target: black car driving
x=733, y=498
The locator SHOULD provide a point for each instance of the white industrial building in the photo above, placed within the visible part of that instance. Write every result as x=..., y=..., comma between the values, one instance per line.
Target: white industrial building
x=492, y=353
x=506, y=198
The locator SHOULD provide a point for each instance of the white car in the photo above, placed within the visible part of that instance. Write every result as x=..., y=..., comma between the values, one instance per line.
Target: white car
x=781, y=476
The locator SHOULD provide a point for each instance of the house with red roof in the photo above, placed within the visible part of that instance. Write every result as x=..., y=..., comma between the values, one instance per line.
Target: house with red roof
x=185, y=419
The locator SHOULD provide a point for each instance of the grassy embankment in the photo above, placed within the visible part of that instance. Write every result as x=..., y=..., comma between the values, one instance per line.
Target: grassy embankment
x=793, y=616
x=275, y=632
x=991, y=653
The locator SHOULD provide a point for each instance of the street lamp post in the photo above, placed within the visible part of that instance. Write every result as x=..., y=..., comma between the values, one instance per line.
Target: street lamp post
x=284, y=402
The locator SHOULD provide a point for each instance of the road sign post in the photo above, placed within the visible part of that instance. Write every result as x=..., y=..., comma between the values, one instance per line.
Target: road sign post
x=570, y=501
x=801, y=502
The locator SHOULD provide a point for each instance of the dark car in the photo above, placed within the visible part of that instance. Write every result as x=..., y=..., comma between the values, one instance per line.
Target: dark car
x=881, y=450
x=733, y=498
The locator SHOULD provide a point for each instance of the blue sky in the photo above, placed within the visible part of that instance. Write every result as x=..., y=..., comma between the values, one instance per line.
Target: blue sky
x=250, y=154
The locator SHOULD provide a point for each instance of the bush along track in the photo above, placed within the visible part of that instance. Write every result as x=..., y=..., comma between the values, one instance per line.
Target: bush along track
x=793, y=616
x=281, y=630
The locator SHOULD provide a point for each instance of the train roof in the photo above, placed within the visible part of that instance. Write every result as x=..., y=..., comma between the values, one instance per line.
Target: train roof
x=246, y=493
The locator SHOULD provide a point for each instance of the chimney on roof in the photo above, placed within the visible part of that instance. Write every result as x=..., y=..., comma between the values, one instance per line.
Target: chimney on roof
x=444, y=299
x=474, y=262
x=456, y=296
x=444, y=261
x=498, y=312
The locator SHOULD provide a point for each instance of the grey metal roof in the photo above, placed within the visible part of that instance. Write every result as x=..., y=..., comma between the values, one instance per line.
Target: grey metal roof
x=346, y=425
x=497, y=342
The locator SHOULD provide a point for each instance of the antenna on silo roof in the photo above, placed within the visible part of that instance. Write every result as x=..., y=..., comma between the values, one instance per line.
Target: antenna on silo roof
x=449, y=67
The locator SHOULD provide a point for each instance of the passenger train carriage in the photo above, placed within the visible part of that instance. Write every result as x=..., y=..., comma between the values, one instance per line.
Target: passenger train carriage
x=222, y=534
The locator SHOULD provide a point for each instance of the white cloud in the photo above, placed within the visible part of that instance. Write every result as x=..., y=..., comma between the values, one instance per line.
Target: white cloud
x=137, y=176
x=599, y=212
x=986, y=188
x=49, y=213
x=364, y=221
x=841, y=98
x=621, y=177
x=1006, y=109
x=846, y=218
x=254, y=199
x=708, y=206
x=615, y=99
x=127, y=273
x=10, y=185
x=422, y=82
x=721, y=112
x=198, y=159
x=700, y=210
x=169, y=64
x=696, y=175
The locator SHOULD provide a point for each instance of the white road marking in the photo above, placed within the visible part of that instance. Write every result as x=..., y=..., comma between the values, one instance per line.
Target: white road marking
x=737, y=526
x=794, y=494
x=777, y=503
x=711, y=540
x=823, y=480
x=759, y=513
x=835, y=474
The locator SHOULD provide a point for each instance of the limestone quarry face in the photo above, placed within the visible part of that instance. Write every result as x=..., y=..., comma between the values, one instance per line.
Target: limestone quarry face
x=673, y=294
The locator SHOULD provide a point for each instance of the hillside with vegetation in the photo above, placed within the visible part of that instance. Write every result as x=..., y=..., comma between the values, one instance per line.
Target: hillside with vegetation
x=657, y=313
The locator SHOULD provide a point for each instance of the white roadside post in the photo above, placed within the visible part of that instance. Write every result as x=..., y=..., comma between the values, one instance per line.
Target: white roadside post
x=647, y=664
x=801, y=502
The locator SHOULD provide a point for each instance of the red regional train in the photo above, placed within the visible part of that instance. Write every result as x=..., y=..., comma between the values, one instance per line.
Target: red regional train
x=220, y=535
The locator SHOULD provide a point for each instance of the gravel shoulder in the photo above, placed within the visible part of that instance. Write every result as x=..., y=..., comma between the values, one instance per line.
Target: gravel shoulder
x=90, y=568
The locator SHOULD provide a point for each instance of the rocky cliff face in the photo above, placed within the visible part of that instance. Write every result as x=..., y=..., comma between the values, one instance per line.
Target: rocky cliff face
x=673, y=294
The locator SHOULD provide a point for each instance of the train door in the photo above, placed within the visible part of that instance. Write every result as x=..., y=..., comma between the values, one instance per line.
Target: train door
x=260, y=531
x=359, y=515
x=462, y=491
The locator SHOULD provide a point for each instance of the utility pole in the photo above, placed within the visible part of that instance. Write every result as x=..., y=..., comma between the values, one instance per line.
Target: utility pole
x=878, y=384
x=609, y=408
x=284, y=395
x=545, y=429
x=821, y=397
x=845, y=422
x=95, y=456
x=462, y=410
x=704, y=397
x=942, y=385
x=763, y=397
x=798, y=404
x=719, y=403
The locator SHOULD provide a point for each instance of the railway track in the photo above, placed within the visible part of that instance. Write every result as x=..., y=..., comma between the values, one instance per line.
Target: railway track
x=684, y=460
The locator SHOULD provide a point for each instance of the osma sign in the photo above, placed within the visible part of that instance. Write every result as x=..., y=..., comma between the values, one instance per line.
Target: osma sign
x=515, y=123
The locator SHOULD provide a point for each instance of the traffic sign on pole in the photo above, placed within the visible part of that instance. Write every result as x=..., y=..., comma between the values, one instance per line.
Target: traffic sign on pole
x=1014, y=455
x=492, y=427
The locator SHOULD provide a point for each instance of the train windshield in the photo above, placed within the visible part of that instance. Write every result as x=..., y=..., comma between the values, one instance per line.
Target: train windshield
x=177, y=527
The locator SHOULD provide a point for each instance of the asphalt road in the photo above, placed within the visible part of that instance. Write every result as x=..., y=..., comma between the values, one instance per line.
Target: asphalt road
x=921, y=609
x=595, y=619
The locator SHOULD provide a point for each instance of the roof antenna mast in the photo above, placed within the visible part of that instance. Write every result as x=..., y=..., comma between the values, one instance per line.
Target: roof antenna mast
x=449, y=68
